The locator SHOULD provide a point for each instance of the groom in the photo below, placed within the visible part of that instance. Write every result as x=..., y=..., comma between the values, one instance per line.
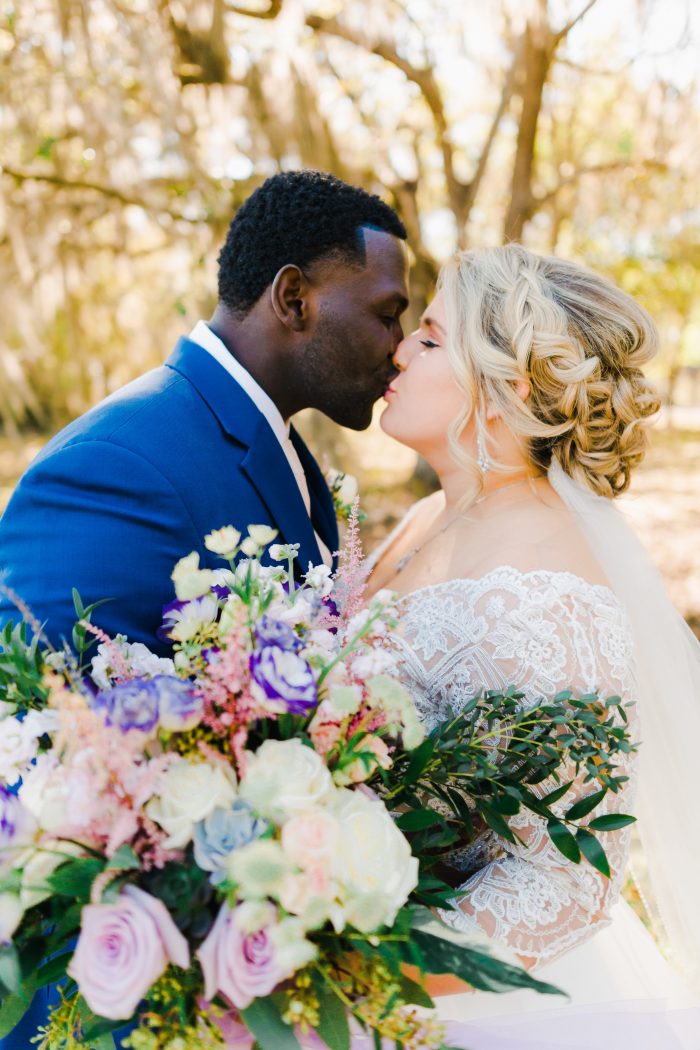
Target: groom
x=312, y=283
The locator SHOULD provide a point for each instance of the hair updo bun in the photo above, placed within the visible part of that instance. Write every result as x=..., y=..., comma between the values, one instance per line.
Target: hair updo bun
x=574, y=338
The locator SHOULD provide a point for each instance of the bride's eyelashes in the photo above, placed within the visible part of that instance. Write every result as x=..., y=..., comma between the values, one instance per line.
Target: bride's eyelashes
x=428, y=344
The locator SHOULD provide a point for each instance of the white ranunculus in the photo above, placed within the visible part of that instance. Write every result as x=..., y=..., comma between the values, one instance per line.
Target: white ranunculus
x=11, y=912
x=285, y=777
x=373, y=861
x=188, y=792
x=191, y=581
x=42, y=863
x=223, y=541
x=261, y=535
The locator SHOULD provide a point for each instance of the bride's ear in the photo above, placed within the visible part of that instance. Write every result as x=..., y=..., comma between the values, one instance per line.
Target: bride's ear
x=522, y=389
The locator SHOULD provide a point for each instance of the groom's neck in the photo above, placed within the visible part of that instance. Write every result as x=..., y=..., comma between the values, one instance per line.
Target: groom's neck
x=249, y=341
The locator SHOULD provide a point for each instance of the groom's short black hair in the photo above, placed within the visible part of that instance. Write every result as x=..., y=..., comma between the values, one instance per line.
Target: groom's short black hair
x=296, y=217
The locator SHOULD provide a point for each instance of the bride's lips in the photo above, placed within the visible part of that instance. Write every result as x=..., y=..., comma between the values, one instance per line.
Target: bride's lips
x=389, y=392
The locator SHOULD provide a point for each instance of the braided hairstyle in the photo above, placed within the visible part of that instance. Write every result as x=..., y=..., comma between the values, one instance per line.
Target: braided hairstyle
x=296, y=217
x=577, y=341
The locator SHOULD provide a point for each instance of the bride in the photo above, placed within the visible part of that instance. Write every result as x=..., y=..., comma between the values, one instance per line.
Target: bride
x=523, y=388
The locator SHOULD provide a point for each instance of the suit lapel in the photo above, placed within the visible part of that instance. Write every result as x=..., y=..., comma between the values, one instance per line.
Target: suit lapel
x=268, y=470
x=264, y=464
x=322, y=509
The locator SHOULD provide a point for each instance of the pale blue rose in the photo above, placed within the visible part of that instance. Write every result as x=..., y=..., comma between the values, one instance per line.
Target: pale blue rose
x=222, y=832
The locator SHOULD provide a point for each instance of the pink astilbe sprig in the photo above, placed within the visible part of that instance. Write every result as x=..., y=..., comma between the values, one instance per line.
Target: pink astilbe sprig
x=351, y=577
x=118, y=661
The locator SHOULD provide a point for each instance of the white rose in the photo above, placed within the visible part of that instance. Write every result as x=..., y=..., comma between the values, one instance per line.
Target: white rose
x=189, y=791
x=223, y=541
x=373, y=861
x=11, y=913
x=17, y=749
x=42, y=863
x=284, y=777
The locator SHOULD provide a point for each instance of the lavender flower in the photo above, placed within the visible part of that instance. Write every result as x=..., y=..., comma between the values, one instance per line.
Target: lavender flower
x=131, y=705
x=222, y=832
x=180, y=706
x=201, y=610
x=285, y=678
x=274, y=632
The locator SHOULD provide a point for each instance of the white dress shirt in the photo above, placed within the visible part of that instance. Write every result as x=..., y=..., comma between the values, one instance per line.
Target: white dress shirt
x=203, y=336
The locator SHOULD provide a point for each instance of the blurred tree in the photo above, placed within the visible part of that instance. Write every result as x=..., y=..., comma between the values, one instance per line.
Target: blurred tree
x=130, y=130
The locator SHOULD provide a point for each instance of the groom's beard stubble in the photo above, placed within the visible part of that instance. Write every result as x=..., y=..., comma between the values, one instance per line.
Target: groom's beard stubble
x=332, y=384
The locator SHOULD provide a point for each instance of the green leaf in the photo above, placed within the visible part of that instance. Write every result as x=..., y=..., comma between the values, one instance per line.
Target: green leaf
x=585, y=805
x=53, y=969
x=417, y=819
x=593, y=851
x=264, y=1020
x=612, y=822
x=75, y=878
x=124, y=860
x=14, y=1007
x=413, y=992
x=418, y=761
x=555, y=795
x=10, y=972
x=333, y=1027
x=564, y=840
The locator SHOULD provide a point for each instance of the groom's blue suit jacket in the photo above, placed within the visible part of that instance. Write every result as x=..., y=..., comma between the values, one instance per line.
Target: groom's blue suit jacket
x=121, y=494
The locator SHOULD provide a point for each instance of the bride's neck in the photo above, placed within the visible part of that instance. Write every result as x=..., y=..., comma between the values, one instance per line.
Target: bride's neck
x=458, y=485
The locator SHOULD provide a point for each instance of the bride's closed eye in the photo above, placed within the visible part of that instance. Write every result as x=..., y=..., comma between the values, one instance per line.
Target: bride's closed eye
x=428, y=344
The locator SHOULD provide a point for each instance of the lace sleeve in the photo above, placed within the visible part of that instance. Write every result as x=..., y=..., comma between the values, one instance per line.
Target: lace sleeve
x=541, y=632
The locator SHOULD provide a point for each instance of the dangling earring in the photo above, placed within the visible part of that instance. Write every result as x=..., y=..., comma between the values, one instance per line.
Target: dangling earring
x=482, y=457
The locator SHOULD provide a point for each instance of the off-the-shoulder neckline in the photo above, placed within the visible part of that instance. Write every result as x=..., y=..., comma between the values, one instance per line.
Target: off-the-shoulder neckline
x=599, y=588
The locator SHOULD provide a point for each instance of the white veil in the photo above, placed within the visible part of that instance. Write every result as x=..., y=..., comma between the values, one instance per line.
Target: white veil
x=668, y=677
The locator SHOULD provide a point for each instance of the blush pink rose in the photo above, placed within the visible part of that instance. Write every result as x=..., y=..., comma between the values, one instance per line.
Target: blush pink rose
x=122, y=949
x=310, y=839
x=241, y=966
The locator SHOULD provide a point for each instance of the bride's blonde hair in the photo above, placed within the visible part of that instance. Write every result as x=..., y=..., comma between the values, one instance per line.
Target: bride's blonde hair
x=576, y=340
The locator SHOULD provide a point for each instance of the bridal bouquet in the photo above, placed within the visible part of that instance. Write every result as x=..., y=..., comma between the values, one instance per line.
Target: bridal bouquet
x=205, y=847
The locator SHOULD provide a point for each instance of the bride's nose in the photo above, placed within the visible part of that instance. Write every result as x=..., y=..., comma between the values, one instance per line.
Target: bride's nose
x=406, y=350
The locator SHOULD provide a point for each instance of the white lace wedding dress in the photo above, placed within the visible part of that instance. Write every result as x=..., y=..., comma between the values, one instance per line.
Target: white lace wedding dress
x=544, y=631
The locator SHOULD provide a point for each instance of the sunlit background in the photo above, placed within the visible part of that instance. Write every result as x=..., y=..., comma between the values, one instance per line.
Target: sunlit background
x=130, y=130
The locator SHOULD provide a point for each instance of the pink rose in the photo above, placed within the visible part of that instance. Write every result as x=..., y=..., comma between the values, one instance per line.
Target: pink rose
x=242, y=966
x=310, y=839
x=122, y=949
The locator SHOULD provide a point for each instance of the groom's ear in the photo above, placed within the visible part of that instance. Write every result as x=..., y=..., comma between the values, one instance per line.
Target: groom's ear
x=289, y=294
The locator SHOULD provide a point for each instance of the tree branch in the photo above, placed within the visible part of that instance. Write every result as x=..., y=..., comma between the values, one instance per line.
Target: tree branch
x=272, y=11
x=84, y=184
x=594, y=169
x=565, y=30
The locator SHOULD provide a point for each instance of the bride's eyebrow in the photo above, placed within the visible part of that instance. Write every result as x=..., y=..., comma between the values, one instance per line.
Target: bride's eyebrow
x=430, y=322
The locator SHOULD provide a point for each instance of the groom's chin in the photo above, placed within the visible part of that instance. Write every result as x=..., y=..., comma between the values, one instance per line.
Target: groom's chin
x=353, y=416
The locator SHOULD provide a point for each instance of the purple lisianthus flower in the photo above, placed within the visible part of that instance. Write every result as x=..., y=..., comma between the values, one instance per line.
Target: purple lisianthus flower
x=130, y=705
x=274, y=632
x=180, y=706
x=205, y=609
x=285, y=678
x=222, y=832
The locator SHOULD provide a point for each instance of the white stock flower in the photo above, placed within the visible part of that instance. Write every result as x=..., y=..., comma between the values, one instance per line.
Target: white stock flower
x=346, y=490
x=320, y=578
x=11, y=912
x=373, y=861
x=223, y=541
x=284, y=777
x=188, y=792
x=191, y=581
x=17, y=749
